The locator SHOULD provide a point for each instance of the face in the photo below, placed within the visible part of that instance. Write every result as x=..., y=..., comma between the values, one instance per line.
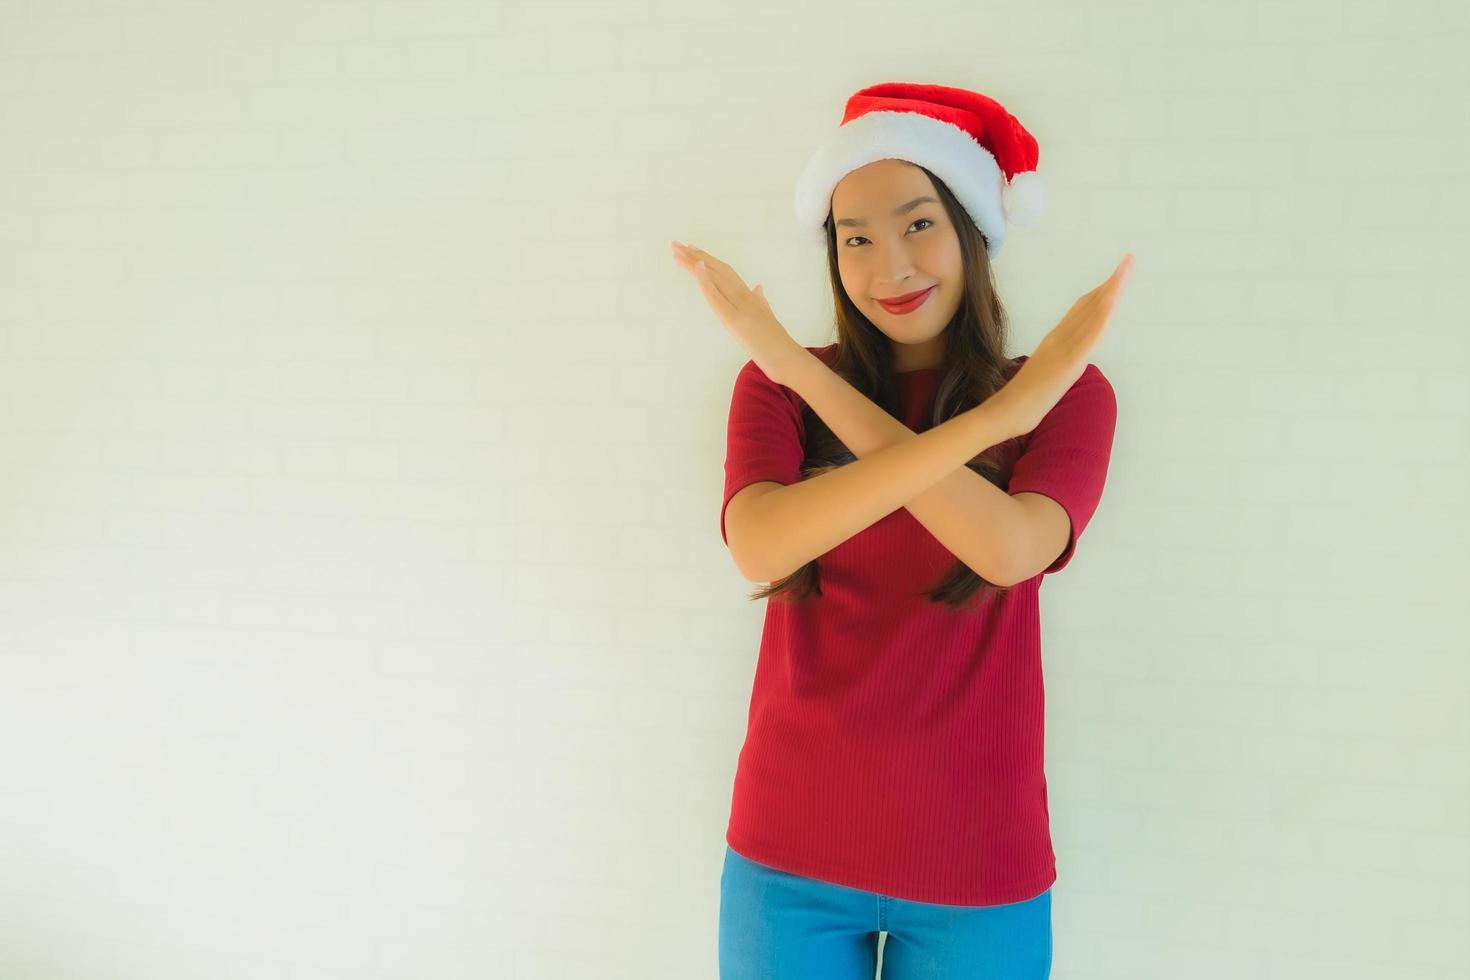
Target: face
x=892, y=254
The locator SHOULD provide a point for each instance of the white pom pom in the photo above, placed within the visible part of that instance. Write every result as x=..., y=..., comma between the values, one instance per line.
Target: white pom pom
x=1022, y=198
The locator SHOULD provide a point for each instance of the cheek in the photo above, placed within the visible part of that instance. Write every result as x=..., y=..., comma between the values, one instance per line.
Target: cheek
x=942, y=253
x=941, y=263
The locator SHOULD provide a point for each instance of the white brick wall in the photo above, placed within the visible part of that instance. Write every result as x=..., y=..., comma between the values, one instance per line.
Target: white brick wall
x=363, y=611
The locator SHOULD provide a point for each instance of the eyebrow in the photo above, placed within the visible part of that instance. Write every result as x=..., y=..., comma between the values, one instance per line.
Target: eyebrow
x=859, y=222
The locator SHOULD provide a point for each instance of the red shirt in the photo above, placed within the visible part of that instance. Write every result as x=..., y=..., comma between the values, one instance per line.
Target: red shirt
x=894, y=745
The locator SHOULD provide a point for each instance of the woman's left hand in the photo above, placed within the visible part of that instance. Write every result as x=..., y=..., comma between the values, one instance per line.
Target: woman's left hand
x=744, y=311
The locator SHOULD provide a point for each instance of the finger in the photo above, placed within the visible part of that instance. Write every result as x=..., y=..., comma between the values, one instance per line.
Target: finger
x=685, y=256
x=1110, y=286
x=692, y=266
x=720, y=270
x=698, y=267
x=1115, y=290
x=1121, y=272
x=712, y=291
x=731, y=287
x=707, y=275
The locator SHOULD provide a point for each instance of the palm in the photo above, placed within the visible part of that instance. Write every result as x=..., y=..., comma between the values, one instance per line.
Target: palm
x=745, y=312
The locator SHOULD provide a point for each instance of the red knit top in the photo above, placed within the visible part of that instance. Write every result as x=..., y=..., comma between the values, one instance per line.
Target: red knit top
x=892, y=744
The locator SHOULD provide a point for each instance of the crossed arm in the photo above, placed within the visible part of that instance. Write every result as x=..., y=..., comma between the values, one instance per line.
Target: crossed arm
x=1003, y=538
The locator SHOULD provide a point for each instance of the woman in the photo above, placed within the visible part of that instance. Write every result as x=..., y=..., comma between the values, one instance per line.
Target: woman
x=904, y=491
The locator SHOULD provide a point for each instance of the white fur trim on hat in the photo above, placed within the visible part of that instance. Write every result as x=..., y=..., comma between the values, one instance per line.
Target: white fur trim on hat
x=951, y=154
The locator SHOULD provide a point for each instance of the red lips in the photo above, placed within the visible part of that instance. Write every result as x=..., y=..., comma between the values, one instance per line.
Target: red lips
x=900, y=300
x=906, y=303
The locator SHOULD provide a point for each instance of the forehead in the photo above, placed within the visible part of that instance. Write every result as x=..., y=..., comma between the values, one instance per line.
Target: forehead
x=879, y=187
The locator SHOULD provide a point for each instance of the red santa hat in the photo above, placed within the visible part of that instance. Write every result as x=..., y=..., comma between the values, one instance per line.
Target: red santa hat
x=968, y=140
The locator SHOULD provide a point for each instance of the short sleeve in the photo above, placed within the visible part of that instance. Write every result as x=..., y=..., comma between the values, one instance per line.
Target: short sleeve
x=1066, y=456
x=763, y=437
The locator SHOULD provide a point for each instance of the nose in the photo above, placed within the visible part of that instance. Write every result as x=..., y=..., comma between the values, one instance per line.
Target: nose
x=894, y=261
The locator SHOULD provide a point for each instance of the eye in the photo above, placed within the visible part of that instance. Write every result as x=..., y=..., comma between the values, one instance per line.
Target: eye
x=925, y=221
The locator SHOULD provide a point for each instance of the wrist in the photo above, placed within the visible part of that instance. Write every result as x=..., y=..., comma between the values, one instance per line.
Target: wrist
x=796, y=367
x=1001, y=420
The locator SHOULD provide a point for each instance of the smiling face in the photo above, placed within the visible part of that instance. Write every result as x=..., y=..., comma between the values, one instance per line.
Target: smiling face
x=882, y=254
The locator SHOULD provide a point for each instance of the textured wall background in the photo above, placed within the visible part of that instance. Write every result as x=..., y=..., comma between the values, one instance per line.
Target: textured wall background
x=363, y=611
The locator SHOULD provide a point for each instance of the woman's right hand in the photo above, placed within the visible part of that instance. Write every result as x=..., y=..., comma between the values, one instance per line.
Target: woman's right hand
x=1061, y=357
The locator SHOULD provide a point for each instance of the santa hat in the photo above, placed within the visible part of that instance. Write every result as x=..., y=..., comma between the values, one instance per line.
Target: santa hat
x=980, y=151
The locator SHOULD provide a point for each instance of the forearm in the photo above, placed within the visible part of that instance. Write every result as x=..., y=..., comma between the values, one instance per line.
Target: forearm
x=965, y=512
x=806, y=519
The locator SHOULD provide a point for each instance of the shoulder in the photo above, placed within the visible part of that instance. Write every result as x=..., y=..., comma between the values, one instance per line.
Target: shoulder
x=754, y=391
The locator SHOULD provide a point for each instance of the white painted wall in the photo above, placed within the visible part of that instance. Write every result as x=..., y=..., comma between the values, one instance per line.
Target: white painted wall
x=363, y=610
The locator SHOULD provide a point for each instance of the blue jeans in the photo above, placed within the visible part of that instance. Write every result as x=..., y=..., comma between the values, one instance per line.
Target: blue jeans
x=775, y=925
